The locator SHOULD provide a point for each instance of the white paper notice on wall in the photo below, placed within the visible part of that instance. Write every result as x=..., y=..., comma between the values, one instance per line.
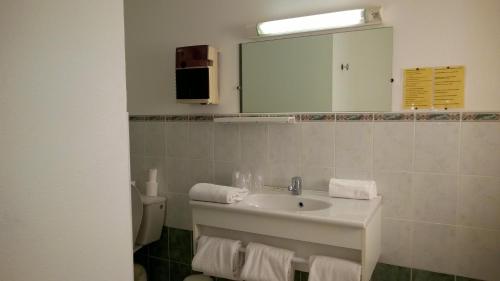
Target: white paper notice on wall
x=434, y=87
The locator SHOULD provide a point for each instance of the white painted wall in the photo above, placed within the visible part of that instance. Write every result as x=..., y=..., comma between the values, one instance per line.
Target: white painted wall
x=64, y=164
x=426, y=33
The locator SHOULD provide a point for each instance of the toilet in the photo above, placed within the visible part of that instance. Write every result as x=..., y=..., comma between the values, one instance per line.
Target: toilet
x=148, y=215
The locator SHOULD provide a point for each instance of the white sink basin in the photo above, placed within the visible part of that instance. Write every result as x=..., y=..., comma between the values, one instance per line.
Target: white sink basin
x=283, y=202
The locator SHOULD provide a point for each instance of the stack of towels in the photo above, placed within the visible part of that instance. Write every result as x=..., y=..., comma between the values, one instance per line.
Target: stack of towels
x=222, y=258
x=217, y=193
x=352, y=189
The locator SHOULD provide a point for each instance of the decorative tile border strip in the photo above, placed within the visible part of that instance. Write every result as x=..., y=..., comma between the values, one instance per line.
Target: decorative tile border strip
x=307, y=117
x=354, y=116
x=201, y=117
x=445, y=116
x=339, y=117
x=394, y=116
x=480, y=116
x=170, y=118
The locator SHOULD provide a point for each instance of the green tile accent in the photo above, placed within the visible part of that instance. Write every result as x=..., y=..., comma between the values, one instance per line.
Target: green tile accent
x=387, y=272
x=460, y=278
x=423, y=275
x=180, y=249
x=179, y=271
x=159, y=248
x=158, y=270
x=304, y=276
x=296, y=275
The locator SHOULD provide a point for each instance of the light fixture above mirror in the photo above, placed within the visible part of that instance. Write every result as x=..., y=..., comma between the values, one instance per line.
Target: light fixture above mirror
x=327, y=21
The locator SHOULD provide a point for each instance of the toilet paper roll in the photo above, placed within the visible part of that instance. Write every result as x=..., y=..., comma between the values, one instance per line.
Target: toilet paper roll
x=151, y=188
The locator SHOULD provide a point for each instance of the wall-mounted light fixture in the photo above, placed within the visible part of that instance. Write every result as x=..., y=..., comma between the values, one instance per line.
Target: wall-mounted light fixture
x=341, y=19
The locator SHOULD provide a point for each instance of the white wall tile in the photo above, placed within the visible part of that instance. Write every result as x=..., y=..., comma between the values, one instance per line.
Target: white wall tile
x=353, y=174
x=436, y=147
x=136, y=136
x=281, y=173
x=201, y=140
x=478, y=253
x=433, y=247
x=154, y=139
x=434, y=197
x=395, y=188
x=227, y=142
x=200, y=170
x=178, y=175
x=223, y=172
x=481, y=148
x=396, y=242
x=353, y=145
x=177, y=139
x=178, y=211
x=254, y=148
x=317, y=143
x=393, y=146
x=316, y=177
x=284, y=143
x=479, y=202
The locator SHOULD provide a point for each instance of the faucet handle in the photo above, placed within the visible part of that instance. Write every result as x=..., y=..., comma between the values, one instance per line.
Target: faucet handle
x=296, y=186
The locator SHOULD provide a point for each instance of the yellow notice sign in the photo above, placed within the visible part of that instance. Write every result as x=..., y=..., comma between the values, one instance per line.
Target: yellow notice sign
x=449, y=87
x=418, y=84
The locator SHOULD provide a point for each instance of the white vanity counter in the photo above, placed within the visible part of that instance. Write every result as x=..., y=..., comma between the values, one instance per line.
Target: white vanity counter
x=308, y=224
x=311, y=205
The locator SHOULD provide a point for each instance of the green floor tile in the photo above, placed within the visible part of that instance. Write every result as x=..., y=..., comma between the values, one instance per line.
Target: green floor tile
x=179, y=271
x=158, y=270
x=160, y=248
x=387, y=272
x=460, y=278
x=423, y=275
x=180, y=249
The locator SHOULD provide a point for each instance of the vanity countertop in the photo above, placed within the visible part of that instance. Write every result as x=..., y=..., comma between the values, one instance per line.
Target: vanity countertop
x=339, y=211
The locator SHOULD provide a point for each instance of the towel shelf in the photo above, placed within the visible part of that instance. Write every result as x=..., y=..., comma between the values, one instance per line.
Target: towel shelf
x=294, y=259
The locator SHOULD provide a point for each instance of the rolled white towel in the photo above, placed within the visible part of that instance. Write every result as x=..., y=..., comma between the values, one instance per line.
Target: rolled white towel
x=217, y=193
x=353, y=189
x=333, y=269
x=266, y=263
x=218, y=257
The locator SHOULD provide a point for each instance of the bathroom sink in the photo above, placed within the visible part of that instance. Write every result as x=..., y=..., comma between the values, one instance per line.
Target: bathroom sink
x=281, y=202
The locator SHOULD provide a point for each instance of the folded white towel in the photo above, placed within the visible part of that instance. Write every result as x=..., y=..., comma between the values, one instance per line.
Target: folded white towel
x=218, y=257
x=266, y=263
x=217, y=193
x=333, y=269
x=354, y=189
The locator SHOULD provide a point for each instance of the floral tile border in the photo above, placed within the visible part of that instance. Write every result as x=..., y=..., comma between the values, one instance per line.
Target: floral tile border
x=438, y=117
x=339, y=117
x=480, y=116
x=170, y=118
x=353, y=117
x=306, y=117
x=201, y=117
x=394, y=116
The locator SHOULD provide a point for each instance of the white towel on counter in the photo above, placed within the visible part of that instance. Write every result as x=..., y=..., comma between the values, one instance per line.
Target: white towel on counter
x=353, y=189
x=333, y=269
x=217, y=193
x=266, y=263
x=218, y=257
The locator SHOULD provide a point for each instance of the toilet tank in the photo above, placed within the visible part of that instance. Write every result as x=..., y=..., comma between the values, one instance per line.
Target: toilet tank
x=152, y=220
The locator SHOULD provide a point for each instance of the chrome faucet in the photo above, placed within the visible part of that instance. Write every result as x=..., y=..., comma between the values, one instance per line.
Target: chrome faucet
x=296, y=186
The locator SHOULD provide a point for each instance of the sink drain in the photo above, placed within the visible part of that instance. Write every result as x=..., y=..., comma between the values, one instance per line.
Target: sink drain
x=301, y=204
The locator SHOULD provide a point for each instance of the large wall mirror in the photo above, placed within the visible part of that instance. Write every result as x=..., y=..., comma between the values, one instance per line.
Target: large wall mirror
x=349, y=71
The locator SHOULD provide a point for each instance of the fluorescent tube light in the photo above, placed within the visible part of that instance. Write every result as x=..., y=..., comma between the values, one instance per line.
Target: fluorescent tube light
x=319, y=22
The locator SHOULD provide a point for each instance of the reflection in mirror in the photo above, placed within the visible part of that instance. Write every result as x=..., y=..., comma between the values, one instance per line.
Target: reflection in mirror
x=349, y=71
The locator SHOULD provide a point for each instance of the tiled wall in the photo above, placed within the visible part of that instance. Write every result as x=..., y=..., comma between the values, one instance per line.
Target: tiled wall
x=439, y=174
